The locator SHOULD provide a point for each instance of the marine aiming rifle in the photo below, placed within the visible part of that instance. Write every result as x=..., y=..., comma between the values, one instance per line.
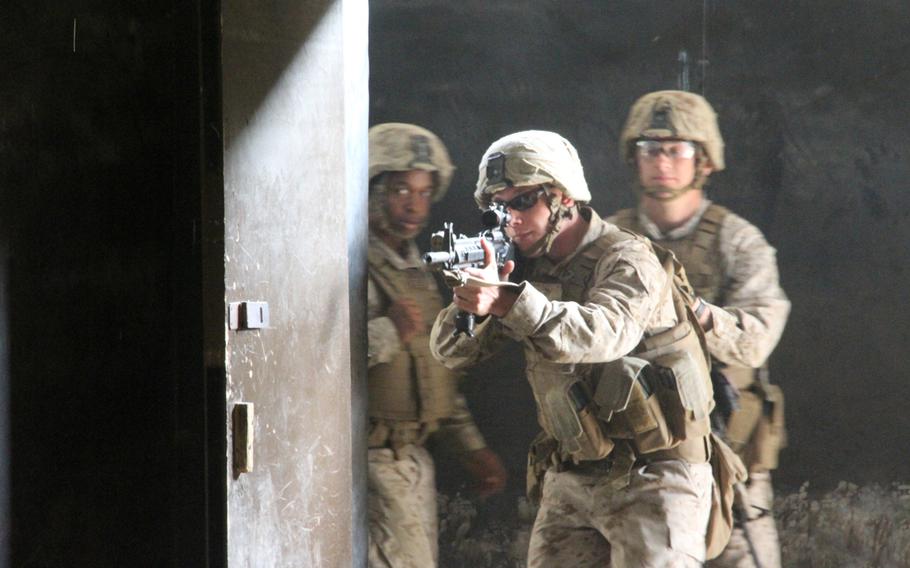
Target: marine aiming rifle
x=451, y=252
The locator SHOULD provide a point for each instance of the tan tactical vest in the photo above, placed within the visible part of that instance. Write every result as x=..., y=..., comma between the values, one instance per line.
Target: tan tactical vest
x=657, y=397
x=413, y=386
x=699, y=252
x=755, y=437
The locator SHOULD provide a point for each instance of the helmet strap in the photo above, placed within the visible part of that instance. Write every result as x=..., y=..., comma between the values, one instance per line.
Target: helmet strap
x=559, y=213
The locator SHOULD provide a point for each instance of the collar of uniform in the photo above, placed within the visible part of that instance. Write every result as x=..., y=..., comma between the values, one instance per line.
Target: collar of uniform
x=379, y=249
x=596, y=228
x=684, y=230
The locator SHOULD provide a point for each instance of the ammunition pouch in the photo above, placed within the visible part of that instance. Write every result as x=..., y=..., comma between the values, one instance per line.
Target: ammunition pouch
x=657, y=398
x=568, y=413
x=756, y=430
x=728, y=470
x=660, y=396
x=541, y=457
x=595, y=445
x=630, y=403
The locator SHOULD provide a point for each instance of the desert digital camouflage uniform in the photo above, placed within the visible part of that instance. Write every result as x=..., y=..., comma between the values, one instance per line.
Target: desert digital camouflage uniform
x=733, y=270
x=402, y=490
x=604, y=502
x=738, y=279
x=411, y=396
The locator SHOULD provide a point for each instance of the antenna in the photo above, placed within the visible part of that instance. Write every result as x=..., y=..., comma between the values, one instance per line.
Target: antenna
x=703, y=62
x=683, y=78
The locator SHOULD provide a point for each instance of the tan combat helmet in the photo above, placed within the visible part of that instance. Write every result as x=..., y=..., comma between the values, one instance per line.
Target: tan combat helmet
x=678, y=115
x=534, y=157
x=531, y=157
x=400, y=147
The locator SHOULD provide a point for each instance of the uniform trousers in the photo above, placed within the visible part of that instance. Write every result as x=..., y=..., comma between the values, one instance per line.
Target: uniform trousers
x=659, y=520
x=762, y=531
x=402, y=508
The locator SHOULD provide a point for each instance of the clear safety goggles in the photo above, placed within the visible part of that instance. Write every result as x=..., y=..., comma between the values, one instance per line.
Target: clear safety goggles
x=673, y=149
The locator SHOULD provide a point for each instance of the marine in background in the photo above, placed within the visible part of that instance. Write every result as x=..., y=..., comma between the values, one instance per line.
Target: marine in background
x=412, y=397
x=672, y=141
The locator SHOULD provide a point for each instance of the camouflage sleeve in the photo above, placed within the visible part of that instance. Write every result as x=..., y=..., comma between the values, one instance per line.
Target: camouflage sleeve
x=463, y=351
x=459, y=430
x=747, y=328
x=625, y=298
x=382, y=336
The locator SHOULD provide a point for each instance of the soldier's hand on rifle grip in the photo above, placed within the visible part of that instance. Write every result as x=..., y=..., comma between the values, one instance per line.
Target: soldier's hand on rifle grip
x=482, y=300
x=407, y=318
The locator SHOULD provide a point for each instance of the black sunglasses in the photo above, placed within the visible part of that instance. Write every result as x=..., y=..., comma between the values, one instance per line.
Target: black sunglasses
x=524, y=201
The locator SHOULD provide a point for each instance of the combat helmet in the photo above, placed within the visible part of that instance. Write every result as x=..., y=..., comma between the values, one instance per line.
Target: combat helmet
x=400, y=147
x=531, y=157
x=534, y=157
x=673, y=114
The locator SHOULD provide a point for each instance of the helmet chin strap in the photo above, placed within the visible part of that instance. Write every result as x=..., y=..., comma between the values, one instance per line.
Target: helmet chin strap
x=664, y=194
x=558, y=214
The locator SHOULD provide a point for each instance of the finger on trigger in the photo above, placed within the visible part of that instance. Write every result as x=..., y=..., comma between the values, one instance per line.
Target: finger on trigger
x=488, y=255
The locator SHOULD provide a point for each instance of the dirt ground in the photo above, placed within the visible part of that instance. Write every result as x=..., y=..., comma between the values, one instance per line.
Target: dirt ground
x=847, y=527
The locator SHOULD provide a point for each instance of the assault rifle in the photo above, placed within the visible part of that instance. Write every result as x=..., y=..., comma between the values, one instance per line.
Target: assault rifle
x=451, y=252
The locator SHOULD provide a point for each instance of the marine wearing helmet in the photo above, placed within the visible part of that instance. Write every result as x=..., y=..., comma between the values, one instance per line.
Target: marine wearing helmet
x=666, y=116
x=529, y=158
x=397, y=147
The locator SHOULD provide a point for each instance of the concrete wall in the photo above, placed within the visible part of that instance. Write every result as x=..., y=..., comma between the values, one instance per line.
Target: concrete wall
x=131, y=195
x=294, y=76
x=811, y=98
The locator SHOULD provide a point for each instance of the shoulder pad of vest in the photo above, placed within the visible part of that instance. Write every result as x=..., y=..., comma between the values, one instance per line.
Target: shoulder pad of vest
x=675, y=270
x=599, y=245
x=715, y=213
x=709, y=226
x=375, y=259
